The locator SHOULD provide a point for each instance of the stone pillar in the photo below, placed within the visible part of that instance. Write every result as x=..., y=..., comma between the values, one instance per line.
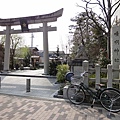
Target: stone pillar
x=109, y=75
x=85, y=68
x=115, y=49
x=45, y=48
x=97, y=77
x=7, y=49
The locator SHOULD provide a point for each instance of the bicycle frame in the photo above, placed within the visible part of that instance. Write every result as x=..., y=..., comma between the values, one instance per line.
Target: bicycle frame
x=92, y=93
x=103, y=96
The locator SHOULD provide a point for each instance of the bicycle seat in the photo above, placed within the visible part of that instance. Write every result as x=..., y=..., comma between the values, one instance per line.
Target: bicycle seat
x=68, y=76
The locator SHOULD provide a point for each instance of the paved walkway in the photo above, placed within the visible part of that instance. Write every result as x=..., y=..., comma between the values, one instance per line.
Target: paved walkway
x=39, y=103
x=24, y=108
x=40, y=87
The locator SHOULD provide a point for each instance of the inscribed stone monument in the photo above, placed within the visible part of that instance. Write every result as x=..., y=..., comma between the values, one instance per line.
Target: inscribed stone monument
x=115, y=49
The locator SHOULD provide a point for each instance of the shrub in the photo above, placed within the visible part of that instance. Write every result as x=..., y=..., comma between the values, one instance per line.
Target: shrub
x=61, y=72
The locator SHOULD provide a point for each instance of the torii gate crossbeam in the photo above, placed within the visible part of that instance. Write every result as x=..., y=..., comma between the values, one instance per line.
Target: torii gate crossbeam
x=52, y=17
x=40, y=29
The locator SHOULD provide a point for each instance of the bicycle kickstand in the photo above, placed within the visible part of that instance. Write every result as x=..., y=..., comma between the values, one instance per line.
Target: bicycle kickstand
x=92, y=103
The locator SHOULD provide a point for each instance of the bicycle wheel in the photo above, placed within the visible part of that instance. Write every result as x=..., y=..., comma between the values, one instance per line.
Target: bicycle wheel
x=110, y=99
x=75, y=94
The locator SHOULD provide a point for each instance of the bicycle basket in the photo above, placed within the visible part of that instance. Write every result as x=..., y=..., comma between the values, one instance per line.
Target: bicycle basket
x=68, y=76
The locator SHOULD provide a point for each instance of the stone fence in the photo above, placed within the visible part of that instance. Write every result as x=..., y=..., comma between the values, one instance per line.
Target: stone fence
x=97, y=70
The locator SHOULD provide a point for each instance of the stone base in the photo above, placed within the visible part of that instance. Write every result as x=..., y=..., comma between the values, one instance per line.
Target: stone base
x=64, y=96
x=77, y=70
x=65, y=92
x=76, y=66
x=26, y=68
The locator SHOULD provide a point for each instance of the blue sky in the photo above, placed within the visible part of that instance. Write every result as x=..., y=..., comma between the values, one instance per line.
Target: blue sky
x=22, y=8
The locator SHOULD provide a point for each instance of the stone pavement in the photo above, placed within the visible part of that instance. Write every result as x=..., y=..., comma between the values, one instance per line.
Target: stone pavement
x=39, y=103
x=40, y=87
x=25, y=108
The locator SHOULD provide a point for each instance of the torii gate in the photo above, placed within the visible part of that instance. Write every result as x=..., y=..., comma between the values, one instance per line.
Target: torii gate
x=52, y=17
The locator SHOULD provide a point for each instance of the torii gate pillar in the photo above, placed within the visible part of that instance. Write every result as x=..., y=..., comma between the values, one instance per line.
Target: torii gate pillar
x=45, y=48
x=7, y=49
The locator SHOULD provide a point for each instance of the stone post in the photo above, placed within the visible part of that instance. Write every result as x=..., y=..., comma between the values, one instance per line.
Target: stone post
x=27, y=85
x=85, y=68
x=7, y=49
x=109, y=75
x=97, y=75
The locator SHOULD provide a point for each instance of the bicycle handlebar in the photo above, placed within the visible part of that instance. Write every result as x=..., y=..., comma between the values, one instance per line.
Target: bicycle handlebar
x=81, y=76
x=83, y=73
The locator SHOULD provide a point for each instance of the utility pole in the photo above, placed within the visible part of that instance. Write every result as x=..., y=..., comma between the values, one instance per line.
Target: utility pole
x=32, y=36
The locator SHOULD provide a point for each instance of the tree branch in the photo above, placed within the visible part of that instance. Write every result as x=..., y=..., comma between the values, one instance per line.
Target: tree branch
x=115, y=9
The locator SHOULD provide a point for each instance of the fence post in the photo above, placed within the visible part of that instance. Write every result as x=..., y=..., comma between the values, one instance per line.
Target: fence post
x=85, y=66
x=97, y=75
x=109, y=75
x=27, y=85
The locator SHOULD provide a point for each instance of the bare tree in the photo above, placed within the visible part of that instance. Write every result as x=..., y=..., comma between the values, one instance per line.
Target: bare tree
x=108, y=9
x=15, y=42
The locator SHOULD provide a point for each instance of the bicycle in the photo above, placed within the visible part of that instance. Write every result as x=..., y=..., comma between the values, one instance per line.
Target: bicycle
x=108, y=97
